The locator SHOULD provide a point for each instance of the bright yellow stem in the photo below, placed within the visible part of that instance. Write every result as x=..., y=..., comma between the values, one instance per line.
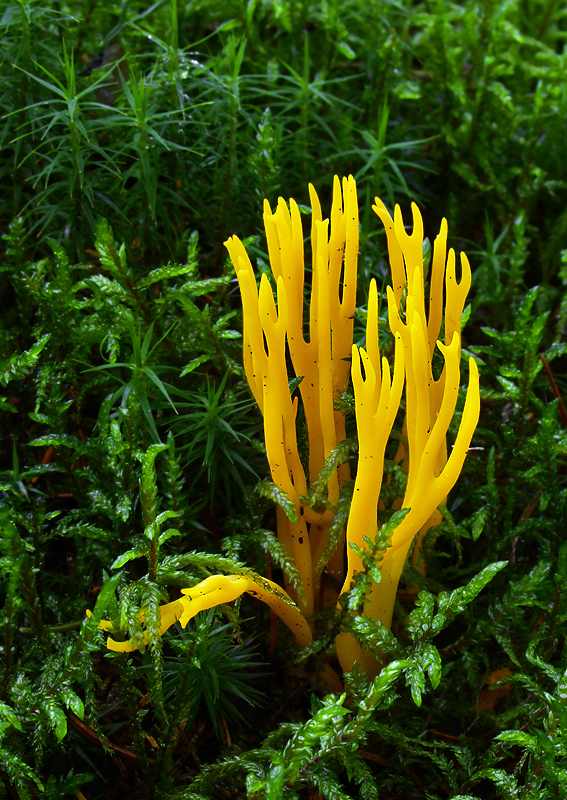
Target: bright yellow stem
x=430, y=406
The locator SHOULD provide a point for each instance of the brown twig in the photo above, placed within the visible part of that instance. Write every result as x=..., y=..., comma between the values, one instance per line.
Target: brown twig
x=89, y=733
x=373, y=757
x=562, y=411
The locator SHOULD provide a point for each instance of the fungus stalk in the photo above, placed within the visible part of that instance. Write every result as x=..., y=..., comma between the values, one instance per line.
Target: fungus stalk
x=430, y=406
x=320, y=360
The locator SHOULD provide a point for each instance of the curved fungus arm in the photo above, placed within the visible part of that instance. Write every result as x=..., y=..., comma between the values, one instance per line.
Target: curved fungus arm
x=214, y=591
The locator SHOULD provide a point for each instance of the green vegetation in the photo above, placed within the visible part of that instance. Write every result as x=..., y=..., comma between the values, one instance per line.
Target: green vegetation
x=135, y=138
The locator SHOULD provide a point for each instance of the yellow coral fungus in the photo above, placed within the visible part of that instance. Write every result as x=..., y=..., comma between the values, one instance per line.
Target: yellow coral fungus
x=317, y=342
